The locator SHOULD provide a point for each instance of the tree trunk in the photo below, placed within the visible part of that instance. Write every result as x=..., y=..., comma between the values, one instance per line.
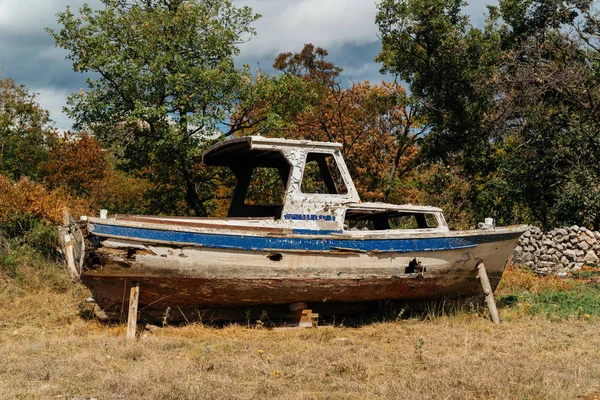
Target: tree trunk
x=192, y=199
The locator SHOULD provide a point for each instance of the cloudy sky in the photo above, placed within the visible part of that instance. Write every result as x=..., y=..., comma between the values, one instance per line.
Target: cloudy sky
x=346, y=28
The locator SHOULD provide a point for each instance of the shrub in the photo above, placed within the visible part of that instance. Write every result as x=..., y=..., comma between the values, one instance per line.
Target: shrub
x=27, y=197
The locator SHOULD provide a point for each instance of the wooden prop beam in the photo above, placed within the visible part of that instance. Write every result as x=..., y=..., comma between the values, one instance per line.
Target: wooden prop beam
x=134, y=296
x=306, y=318
x=487, y=290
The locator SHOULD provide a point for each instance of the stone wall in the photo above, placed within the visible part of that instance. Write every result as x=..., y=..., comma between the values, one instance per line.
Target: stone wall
x=558, y=251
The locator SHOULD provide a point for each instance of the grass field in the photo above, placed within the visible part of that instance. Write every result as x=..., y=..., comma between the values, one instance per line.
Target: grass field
x=548, y=347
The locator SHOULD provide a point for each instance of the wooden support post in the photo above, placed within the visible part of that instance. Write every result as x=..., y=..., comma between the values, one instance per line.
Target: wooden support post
x=487, y=290
x=134, y=296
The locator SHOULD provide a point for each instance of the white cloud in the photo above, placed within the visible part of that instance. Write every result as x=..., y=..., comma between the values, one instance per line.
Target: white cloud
x=54, y=99
x=287, y=26
x=27, y=16
x=344, y=27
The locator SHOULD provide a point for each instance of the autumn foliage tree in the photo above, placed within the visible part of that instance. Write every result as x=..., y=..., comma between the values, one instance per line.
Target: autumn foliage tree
x=75, y=162
x=376, y=125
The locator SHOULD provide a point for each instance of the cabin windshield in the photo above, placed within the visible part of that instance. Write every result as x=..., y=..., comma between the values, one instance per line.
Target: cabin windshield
x=376, y=220
x=322, y=175
x=260, y=188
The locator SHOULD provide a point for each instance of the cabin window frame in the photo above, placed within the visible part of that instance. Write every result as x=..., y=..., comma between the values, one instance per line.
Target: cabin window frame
x=238, y=207
x=439, y=218
x=344, y=174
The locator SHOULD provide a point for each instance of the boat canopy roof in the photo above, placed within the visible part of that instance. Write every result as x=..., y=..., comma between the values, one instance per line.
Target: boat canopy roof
x=258, y=151
x=375, y=208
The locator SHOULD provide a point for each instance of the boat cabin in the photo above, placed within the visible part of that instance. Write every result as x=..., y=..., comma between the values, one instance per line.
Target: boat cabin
x=306, y=185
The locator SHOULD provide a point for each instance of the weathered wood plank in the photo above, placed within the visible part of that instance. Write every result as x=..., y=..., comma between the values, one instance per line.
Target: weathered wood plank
x=134, y=295
x=205, y=224
x=487, y=290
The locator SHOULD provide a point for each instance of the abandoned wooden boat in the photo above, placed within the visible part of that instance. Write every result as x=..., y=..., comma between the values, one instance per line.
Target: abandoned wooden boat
x=311, y=241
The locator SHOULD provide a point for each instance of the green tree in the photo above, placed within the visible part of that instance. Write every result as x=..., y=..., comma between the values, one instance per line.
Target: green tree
x=447, y=64
x=25, y=132
x=513, y=105
x=162, y=81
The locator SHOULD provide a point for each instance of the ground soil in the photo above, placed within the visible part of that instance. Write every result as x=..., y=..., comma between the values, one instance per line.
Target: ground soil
x=51, y=351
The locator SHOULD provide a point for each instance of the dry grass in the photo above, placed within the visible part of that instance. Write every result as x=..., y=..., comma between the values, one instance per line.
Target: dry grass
x=50, y=352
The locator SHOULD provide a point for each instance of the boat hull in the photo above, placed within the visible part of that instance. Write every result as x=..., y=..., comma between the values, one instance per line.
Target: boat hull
x=183, y=280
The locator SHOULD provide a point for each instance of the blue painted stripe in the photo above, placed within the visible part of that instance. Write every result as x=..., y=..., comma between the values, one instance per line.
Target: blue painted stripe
x=243, y=242
x=309, y=217
x=315, y=231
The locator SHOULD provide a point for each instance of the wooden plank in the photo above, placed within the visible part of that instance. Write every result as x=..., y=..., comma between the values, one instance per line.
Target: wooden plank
x=308, y=319
x=487, y=290
x=69, y=254
x=134, y=296
x=208, y=225
x=66, y=216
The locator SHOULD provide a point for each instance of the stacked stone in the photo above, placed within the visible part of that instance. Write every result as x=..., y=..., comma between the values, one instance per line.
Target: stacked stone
x=559, y=251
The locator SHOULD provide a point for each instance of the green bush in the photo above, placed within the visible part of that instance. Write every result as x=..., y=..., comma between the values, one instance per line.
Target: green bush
x=30, y=230
x=29, y=254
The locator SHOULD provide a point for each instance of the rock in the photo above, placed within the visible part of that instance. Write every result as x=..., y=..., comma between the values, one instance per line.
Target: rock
x=589, y=240
x=559, y=247
x=590, y=258
x=570, y=254
x=576, y=267
x=589, y=233
x=561, y=274
x=583, y=246
x=558, y=250
x=543, y=271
